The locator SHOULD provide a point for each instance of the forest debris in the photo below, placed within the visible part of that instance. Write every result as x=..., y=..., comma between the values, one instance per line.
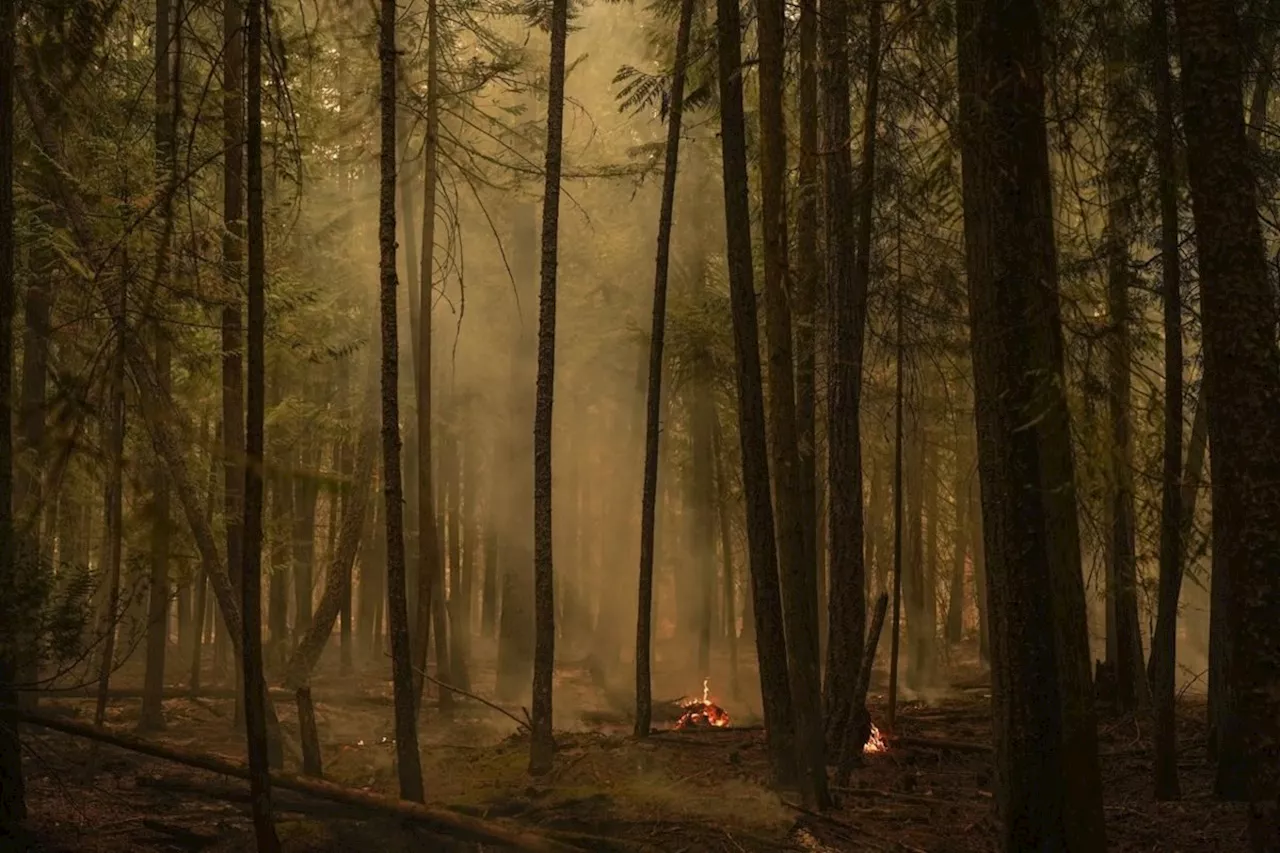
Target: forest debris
x=438, y=819
x=945, y=745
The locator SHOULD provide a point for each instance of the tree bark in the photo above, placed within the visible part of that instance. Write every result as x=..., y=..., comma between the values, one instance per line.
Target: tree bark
x=168, y=86
x=797, y=571
x=766, y=622
x=1122, y=576
x=408, y=760
x=1242, y=392
x=541, y=743
x=653, y=394
x=233, y=441
x=960, y=542
x=430, y=569
x=1165, y=640
x=1046, y=755
x=13, y=804
x=808, y=271
x=255, y=695
x=849, y=268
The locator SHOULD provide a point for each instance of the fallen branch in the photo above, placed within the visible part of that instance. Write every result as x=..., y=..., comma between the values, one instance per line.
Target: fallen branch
x=876, y=793
x=524, y=724
x=946, y=745
x=438, y=819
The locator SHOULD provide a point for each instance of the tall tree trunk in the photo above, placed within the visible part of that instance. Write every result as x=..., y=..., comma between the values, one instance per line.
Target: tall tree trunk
x=726, y=552
x=960, y=542
x=13, y=804
x=703, y=499
x=899, y=435
x=233, y=441
x=462, y=613
x=797, y=570
x=489, y=591
x=408, y=760
x=1242, y=391
x=929, y=632
x=1219, y=640
x=113, y=498
x=450, y=466
x=542, y=746
x=808, y=271
x=430, y=569
x=1049, y=795
x=279, y=541
x=1164, y=643
x=516, y=621
x=653, y=396
x=255, y=693
x=168, y=85
x=306, y=494
x=200, y=602
x=849, y=272
x=766, y=601
x=1122, y=575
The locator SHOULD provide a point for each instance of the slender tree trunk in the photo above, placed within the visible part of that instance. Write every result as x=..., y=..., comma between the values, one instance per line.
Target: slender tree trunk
x=430, y=569
x=542, y=746
x=808, y=271
x=1218, y=632
x=653, y=397
x=462, y=613
x=796, y=566
x=202, y=579
x=489, y=591
x=1046, y=755
x=726, y=553
x=898, y=436
x=1242, y=392
x=849, y=269
x=13, y=804
x=168, y=88
x=113, y=503
x=255, y=694
x=408, y=760
x=233, y=441
x=1122, y=586
x=452, y=487
x=960, y=546
x=306, y=494
x=279, y=541
x=765, y=626
x=1164, y=643
x=929, y=626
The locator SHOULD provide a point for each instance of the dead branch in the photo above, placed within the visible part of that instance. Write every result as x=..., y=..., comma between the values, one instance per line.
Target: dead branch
x=441, y=820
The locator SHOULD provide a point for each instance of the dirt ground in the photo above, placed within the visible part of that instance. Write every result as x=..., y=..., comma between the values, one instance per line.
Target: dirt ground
x=681, y=792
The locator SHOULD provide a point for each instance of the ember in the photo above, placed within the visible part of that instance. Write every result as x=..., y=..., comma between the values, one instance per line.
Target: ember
x=701, y=713
x=876, y=743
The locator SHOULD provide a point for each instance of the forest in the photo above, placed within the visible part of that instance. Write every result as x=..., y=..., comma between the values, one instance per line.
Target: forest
x=605, y=425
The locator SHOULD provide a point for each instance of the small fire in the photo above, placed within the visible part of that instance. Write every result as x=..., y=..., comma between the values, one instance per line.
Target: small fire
x=702, y=712
x=876, y=742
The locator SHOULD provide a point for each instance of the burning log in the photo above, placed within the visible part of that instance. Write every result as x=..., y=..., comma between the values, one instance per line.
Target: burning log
x=702, y=713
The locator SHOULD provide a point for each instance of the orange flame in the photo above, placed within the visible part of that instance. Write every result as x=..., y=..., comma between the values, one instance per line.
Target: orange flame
x=703, y=712
x=876, y=743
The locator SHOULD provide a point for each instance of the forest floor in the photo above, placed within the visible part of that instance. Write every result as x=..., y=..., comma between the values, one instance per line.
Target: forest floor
x=678, y=791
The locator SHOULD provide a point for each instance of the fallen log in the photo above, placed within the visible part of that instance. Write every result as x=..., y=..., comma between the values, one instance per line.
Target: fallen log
x=945, y=745
x=435, y=818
